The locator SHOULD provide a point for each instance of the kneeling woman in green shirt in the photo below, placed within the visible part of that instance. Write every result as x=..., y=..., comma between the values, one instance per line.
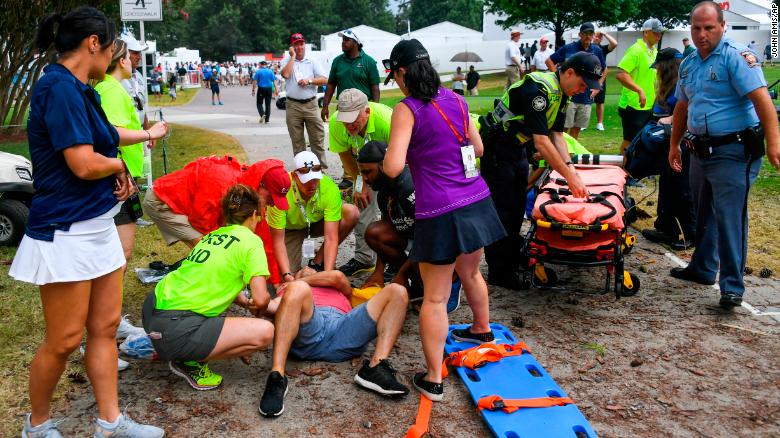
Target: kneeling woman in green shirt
x=183, y=315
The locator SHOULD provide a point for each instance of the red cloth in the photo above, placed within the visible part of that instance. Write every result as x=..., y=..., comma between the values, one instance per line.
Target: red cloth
x=197, y=189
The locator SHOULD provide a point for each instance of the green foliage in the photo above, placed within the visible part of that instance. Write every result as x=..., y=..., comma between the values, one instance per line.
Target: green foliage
x=598, y=348
x=374, y=13
x=464, y=12
x=671, y=12
x=559, y=15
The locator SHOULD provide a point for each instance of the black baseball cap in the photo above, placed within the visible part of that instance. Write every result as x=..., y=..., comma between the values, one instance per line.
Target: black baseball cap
x=666, y=54
x=403, y=54
x=588, y=66
x=587, y=27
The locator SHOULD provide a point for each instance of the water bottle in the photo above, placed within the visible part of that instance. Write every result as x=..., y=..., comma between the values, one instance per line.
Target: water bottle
x=147, y=168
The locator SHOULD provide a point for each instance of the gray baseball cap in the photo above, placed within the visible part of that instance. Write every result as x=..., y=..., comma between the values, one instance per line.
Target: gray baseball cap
x=351, y=102
x=653, y=25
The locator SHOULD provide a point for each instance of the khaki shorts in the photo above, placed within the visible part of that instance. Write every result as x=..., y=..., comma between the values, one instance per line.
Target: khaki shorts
x=293, y=241
x=577, y=115
x=512, y=75
x=474, y=92
x=173, y=227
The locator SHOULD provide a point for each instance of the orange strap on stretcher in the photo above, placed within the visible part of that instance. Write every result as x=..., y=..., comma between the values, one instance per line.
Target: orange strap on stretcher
x=472, y=358
x=493, y=402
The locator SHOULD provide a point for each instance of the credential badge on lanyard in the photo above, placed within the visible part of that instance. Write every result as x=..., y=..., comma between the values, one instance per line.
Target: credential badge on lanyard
x=307, y=249
x=468, y=156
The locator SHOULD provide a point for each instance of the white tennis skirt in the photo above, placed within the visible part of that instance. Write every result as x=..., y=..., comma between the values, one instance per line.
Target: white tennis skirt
x=90, y=249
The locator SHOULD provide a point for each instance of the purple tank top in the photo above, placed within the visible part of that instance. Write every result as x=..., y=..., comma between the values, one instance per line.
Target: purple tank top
x=435, y=161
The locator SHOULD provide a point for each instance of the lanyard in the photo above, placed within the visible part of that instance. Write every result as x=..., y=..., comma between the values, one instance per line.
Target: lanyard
x=452, y=128
x=356, y=144
x=303, y=210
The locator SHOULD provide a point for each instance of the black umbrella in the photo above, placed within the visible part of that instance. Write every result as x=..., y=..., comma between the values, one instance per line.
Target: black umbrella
x=466, y=57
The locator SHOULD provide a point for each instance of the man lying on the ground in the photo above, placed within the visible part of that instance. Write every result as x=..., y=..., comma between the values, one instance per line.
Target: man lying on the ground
x=185, y=204
x=391, y=236
x=315, y=210
x=315, y=321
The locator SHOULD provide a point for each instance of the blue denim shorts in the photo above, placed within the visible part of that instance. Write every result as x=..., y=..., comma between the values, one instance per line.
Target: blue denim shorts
x=334, y=336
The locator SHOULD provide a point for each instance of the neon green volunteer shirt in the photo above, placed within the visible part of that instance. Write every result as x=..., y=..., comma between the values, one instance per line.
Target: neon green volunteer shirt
x=377, y=129
x=636, y=62
x=214, y=273
x=324, y=204
x=120, y=110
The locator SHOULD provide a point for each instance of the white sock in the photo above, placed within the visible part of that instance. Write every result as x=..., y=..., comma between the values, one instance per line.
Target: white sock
x=106, y=425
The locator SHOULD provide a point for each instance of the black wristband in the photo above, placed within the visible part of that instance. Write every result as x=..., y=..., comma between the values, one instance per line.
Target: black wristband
x=316, y=267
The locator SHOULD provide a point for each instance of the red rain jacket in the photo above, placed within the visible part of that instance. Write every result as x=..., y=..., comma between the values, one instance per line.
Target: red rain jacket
x=197, y=189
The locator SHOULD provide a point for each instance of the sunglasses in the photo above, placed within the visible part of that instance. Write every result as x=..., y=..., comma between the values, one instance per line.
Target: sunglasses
x=389, y=64
x=307, y=169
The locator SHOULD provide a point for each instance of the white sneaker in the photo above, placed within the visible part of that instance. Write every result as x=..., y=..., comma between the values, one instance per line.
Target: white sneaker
x=599, y=126
x=128, y=428
x=121, y=364
x=126, y=329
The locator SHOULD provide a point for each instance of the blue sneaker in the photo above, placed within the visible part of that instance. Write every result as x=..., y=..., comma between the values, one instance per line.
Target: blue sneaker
x=454, y=302
x=220, y=102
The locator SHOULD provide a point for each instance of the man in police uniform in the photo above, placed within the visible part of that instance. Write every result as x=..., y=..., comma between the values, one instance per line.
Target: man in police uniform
x=722, y=98
x=528, y=112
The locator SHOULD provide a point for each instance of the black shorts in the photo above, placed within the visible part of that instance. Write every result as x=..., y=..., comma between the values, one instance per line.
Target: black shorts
x=458, y=91
x=633, y=121
x=183, y=335
x=129, y=212
x=214, y=87
x=440, y=240
x=602, y=94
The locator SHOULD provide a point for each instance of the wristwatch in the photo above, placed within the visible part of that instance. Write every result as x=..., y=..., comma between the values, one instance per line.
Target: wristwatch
x=308, y=81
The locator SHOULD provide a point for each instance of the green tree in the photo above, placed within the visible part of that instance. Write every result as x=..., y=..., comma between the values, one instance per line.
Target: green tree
x=20, y=63
x=464, y=12
x=375, y=13
x=559, y=15
x=672, y=13
x=170, y=33
x=312, y=19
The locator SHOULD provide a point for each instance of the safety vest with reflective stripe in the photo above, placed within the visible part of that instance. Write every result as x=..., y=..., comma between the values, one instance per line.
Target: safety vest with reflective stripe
x=548, y=81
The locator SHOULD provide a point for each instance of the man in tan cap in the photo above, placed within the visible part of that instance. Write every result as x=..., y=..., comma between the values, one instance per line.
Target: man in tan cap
x=357, y=122
x=513, y=59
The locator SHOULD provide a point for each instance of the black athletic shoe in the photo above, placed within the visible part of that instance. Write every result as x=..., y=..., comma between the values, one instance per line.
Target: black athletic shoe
x=381, y=379
x=730, y=300
x=434, y=391
x=272, y=403
x=353, y=267
x=682, y=244
x=688, y=275
x=345, y=184
x=465, y=335
x=657, y=236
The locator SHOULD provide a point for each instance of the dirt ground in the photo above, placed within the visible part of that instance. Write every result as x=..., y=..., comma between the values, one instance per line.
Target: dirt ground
x=665, y=363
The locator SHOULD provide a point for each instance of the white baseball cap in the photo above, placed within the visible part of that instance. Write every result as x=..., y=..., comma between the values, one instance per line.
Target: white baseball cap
x=349, y=33
x=133, y=44
x=307, y=159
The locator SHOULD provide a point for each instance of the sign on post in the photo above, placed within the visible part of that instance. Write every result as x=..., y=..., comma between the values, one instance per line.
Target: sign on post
x=141, y=10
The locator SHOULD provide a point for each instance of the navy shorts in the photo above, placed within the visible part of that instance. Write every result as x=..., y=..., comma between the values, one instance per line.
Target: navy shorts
x=334, y=336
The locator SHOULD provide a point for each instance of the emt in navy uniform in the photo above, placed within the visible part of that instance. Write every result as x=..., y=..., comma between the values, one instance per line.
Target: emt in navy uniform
x=724, y=102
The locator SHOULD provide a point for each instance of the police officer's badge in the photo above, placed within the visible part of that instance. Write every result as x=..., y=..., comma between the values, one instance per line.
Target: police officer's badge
x=750, y=58
x=539, y=103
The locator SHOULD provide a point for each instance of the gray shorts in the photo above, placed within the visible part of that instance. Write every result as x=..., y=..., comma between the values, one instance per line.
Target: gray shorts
x=333, y=336
x=184, y=335
x=577, y=115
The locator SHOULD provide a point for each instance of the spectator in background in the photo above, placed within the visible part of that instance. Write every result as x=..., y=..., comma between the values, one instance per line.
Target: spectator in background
x=136, y=85
x=352, y=69
x=156, y=83
x=172, y=79
x=472, y=82
x=527, y=56
x=768, y=54
x=601, y=97
x=540, y=57
x=303, y=75
x=71, y=249
x=578, y=111
x=216, y=77
x=533, y=50
x=513, y=59
x=264, y=78
x=638, y=79
x=182, y=72
x=457, y=81
x=688, y=47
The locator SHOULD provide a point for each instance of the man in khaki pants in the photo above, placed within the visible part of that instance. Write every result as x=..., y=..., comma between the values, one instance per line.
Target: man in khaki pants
x=302, y=77
x=513, y=59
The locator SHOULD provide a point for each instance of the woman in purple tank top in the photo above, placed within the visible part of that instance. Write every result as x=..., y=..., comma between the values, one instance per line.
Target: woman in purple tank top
x=454, y=214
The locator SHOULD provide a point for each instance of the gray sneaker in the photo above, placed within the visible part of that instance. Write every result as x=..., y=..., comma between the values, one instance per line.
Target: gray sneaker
x=45, y=430
x=127, y=428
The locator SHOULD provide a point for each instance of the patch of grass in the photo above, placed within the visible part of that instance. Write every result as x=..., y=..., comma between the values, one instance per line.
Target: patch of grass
x=21, y=318
x=183, y=97
x=598, y=348
x=18, y=148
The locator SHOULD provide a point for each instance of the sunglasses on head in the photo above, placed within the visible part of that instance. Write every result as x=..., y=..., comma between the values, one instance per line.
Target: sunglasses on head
x=307, y=169
x=389, y=64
